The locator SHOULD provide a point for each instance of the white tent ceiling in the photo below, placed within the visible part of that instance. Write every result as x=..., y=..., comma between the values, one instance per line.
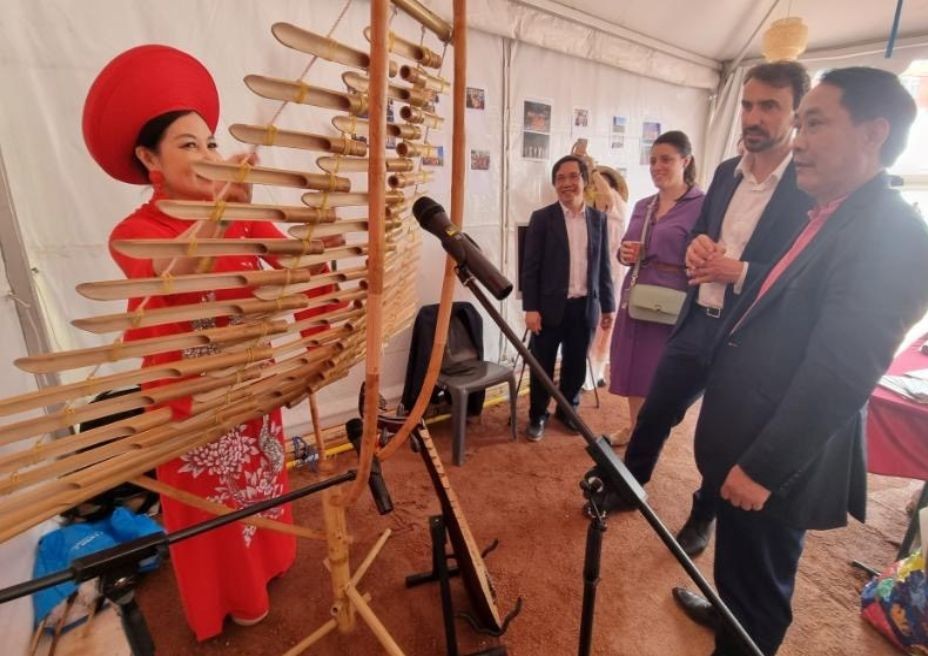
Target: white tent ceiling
x=718, y=29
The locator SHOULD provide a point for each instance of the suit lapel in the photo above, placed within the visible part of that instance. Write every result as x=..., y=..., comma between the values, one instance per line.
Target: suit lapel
x=851, y=210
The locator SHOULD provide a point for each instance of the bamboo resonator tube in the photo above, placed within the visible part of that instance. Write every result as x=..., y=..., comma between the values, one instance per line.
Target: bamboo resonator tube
x=324, y=47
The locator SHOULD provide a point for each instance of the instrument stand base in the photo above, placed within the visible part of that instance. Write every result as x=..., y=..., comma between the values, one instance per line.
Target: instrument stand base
x=119, y=588
x=442, y=573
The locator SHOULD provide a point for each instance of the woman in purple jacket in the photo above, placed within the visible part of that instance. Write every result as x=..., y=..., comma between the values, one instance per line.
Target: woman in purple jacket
x=637, y=345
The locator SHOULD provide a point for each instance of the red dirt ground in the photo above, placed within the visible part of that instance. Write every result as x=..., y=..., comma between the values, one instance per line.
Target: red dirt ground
x=527, y=496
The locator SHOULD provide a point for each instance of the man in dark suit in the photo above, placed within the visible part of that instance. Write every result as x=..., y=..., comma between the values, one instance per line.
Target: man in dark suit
x=752, y=212
x=780, y=434
x=566, y=286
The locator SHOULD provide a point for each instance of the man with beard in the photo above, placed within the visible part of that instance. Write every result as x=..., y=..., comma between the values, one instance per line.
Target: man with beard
x=566, y=284
x=751, y=214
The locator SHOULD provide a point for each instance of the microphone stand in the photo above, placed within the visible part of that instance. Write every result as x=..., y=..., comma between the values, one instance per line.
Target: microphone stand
x=118, y=566
x=609, y=476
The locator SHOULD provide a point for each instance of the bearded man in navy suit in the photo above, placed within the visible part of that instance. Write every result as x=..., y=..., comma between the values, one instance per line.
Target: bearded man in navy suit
x=780, y=434
x=566, y=287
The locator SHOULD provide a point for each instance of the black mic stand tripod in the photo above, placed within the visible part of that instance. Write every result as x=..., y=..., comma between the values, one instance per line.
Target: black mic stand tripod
x=609, y=476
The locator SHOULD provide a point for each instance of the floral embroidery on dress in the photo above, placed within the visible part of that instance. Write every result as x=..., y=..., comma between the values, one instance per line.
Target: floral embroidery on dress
x=241, y=478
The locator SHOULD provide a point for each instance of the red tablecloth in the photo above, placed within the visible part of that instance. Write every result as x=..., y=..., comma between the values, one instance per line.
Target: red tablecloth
x=897, y=429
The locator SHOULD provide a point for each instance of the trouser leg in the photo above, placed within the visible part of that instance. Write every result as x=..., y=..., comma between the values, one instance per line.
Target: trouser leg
x=576, y=333
x=544, y=348
x=756, y=559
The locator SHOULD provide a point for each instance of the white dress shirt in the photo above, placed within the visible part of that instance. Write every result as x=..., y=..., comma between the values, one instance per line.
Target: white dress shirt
x=577, y=245
x=740, y=220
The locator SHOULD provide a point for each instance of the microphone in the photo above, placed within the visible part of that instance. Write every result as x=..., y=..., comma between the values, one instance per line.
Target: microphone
x=355, y=430
x=464, y=250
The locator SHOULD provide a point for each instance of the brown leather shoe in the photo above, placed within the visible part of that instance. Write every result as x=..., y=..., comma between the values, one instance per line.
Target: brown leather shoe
x=697, y=608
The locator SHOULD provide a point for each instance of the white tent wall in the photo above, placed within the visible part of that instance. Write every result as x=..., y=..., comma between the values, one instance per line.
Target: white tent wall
x=16, y=555
x=51, y=51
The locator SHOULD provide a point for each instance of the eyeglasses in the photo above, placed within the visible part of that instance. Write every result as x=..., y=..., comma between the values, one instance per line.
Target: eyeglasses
x=569, y=177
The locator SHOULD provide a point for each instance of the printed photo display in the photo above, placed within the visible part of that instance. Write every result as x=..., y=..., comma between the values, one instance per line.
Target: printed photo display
x=536, y=130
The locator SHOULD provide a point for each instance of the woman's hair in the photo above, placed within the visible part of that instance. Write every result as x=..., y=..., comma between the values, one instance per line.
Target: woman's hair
x=681, y=142
x=615, y=180
x=151, y=133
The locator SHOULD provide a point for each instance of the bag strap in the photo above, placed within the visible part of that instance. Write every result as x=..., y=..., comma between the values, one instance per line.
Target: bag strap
x=649, y=214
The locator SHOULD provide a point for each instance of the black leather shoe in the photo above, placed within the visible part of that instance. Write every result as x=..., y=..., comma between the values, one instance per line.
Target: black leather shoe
x=536, y=429
x=697, y=608
x=694, y=536
x=567, y=422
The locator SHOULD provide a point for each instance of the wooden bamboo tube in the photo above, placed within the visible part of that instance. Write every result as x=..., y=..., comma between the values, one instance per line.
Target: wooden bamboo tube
x=174, y=370
x=64, y=419
x=427, y=18
x=357, y=199
x=339, y=165
x=20, y=512
x=64, y=360
x=317, y=425
x=191, y=312
x=230, y=172
x=421, y=116
x=115, y=290
x=303, y=94
x=458, y=173
x=312, y=638
x=83, y=440
x=410, y=149
x=408, y=49
x=329, y=230
x=263, y=135
x=323, y=47
x=165, y=248
x=219, y=509
x=197, y=210
x=370, y=558
x=270, y=292
x=373, y=622
x=314, y=321
x=422, y=79
x=354, y=125
x=416, y=96
x=337, y=549
x=403, y=180
x=331, y=254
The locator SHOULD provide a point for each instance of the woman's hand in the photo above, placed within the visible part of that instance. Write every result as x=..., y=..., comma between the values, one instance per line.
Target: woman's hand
x=629, y=252
x=237, y=192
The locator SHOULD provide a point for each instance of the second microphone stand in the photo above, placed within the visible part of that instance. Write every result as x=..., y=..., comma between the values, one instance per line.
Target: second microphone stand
x=608, y=477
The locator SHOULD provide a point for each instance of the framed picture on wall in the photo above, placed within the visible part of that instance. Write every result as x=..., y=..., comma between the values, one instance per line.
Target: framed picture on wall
x=480, y=160
x=580, y=122
x=617, y=136
x=650, y=131
x=535, y=145
x=536, y=117
x=475, y=98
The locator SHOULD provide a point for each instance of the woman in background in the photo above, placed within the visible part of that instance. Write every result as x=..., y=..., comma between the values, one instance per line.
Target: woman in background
x=611, y=197
x=671, y=213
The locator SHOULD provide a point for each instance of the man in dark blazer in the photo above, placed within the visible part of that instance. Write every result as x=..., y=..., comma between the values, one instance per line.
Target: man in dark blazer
x=780, y=434
x=566, y=287
x=751, y=214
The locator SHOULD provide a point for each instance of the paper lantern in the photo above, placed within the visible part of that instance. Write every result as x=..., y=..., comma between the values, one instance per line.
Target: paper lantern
x=785, y=39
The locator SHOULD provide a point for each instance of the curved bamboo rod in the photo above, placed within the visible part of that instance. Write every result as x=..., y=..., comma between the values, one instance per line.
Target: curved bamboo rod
x=230, y=172
x=324, y=47
x=163, y=248
x=303, y=94
x=195, y=210
x=356, y=199
x=458, y=173
x=429, y=19
x=272, y=136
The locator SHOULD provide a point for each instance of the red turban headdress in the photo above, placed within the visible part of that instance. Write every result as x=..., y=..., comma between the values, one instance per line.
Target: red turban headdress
x=135, y=87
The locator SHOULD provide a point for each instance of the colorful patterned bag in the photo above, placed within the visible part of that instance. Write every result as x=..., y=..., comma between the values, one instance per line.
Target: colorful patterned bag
x=896, y=603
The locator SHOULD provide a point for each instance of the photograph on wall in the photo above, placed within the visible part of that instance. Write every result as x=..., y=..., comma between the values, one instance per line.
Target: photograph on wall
x=580, y=123
x=537, y=117
x=475, y=98
x=617, y=138
x=480, y=160
x=650, y=131
x=535, y=145
x=437, y=160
